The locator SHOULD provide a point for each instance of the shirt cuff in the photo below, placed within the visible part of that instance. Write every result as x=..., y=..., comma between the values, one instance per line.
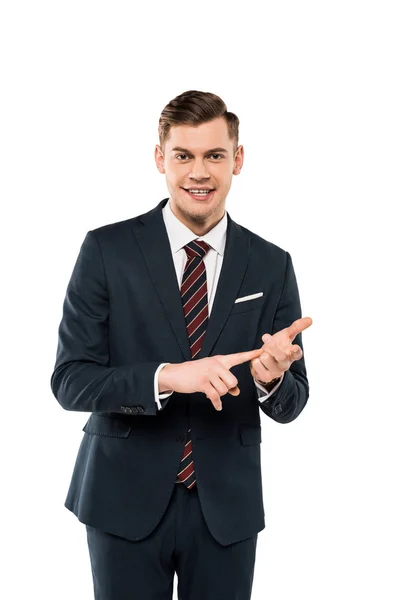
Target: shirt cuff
x=266, y=394
x=157, y=395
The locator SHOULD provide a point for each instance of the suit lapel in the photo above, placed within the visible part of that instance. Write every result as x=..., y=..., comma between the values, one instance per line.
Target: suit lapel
x=152, y=238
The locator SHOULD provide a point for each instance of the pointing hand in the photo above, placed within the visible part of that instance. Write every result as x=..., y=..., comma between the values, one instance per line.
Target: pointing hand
x=210, y=375
x=278, y=352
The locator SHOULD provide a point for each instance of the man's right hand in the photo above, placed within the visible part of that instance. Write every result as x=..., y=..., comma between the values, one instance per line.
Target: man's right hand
x=210, y=375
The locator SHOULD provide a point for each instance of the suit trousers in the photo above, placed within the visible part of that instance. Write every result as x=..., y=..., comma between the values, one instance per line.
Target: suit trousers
x=144, y=570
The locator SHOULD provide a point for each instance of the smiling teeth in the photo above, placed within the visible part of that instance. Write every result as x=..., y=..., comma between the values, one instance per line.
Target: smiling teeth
x=200, y=192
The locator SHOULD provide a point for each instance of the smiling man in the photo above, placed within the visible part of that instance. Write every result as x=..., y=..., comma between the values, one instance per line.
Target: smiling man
x=179, y=327
x=199, y=163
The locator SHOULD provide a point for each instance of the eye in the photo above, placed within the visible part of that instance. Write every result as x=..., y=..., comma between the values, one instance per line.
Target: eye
x=215, y=154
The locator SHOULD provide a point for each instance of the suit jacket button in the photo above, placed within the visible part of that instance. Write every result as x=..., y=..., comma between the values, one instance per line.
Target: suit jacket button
x=129, y=409
x=180, y=438
x=123, y=408
x=134, y=409
x=140, y=408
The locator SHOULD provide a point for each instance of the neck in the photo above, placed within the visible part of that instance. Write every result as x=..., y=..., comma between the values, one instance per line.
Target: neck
x=197, y=223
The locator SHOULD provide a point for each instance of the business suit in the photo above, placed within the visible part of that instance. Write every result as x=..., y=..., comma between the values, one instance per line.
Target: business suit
x=122, y=319
x=179, y=235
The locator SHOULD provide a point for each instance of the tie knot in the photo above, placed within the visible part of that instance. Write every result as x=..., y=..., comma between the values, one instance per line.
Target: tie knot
x=196, y=248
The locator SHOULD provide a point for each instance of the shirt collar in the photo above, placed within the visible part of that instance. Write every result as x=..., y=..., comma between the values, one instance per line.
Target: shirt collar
x=180, y=235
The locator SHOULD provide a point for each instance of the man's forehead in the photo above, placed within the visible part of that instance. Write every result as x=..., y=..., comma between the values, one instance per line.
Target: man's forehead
x=201, y=137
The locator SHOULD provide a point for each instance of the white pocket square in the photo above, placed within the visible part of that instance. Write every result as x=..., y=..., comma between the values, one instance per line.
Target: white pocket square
x=251, y=297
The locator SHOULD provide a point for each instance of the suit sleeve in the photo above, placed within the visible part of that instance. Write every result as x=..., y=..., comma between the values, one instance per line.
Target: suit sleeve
x=82, y=379
x=262, y=391
x=292, y=394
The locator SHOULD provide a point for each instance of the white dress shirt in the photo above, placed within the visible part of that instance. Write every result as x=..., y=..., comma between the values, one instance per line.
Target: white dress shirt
x=179, y=235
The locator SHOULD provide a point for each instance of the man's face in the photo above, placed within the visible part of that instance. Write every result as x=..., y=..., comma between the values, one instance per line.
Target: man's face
x=200, y=157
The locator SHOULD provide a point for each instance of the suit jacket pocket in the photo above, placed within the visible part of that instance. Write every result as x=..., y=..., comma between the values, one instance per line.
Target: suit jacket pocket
x=107, y=425
x=250, y=434
x=247, y=305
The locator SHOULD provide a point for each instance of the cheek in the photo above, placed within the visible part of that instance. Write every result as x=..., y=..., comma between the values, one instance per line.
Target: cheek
x=174, y=176
x=171, y=176
x=225, y=179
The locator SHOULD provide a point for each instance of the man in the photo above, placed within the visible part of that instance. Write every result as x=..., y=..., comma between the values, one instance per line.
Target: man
x=160, y=340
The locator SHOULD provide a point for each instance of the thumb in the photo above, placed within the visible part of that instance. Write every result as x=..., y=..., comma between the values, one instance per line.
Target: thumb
x=266, y=337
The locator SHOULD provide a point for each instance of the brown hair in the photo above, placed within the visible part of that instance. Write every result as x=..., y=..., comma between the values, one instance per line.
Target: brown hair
x=192, y=108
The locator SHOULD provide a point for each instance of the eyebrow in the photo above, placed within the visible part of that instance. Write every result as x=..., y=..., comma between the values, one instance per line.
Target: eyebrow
x=179, y=149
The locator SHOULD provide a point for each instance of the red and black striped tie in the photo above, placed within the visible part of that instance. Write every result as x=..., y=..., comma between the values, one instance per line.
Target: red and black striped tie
x=195, y=308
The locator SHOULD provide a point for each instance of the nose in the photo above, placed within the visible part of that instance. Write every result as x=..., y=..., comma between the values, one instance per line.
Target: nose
x=199, y=170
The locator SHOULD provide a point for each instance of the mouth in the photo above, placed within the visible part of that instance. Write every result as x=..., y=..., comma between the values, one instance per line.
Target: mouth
x=201, y=194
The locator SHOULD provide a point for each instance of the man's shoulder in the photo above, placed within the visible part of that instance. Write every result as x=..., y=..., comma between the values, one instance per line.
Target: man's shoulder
x=110, y=230
x=260, y=244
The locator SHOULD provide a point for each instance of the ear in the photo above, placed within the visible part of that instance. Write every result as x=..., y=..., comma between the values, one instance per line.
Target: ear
x=159, y=158
x=238, y=160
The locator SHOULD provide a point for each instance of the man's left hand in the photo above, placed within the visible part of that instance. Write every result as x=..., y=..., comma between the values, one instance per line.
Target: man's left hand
x=278, y=352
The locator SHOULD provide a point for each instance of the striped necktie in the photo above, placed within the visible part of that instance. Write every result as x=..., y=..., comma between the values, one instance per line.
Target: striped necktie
x=195, y=308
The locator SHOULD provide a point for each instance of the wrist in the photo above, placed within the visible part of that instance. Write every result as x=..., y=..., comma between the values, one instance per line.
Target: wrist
x=269, y=385
x=164, y=379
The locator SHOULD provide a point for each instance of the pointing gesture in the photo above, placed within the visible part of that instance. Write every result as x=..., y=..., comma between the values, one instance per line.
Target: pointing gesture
x=295, y=328
x=231, y=360
x=278, y=353
x=210, y=375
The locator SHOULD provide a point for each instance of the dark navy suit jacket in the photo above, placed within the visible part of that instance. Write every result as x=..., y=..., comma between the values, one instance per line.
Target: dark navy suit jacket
x=122, y=317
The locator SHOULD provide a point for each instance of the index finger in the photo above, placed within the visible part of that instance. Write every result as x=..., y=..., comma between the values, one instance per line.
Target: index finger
x=237, y=358
x=298, y=326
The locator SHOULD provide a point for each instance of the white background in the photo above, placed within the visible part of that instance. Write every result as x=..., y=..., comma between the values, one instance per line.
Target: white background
x=316, y=89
